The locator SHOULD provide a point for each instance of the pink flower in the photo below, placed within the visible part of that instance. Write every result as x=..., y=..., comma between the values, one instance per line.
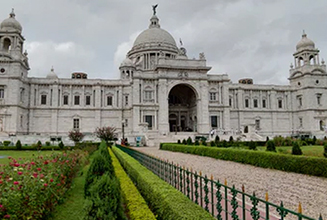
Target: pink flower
x=16, y=182
x=16, y=164
x=1, y=206
x=33, y=163
x=39, y=169
x=6, y=216
x=41, y=176
x=35, y=175
x=20, y=173
x=45, y=184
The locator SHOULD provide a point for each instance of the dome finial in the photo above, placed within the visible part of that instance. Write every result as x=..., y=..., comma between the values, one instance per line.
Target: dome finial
x=52, y=69
x=12, y=14
x=304, y=34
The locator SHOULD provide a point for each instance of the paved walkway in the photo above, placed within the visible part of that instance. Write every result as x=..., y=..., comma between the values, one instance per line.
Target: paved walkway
x=291, y=188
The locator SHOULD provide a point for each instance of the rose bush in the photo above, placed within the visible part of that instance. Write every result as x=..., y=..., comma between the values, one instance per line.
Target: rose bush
x=29, y=189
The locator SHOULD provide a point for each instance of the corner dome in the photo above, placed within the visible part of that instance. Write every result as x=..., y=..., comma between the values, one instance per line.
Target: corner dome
x=305, y=43
x=127, y=62
x=11, y=24
x=52, y=74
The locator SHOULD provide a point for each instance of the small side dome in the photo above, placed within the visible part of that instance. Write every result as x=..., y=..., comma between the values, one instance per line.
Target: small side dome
x=11, y=24
x=52, y=74
x=305, y=43
x=127, y=62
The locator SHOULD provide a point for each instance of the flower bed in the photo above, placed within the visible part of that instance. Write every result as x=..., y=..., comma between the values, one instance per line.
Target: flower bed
x=30, y=189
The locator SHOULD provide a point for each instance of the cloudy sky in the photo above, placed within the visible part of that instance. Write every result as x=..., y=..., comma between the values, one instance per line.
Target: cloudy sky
x=243, y=38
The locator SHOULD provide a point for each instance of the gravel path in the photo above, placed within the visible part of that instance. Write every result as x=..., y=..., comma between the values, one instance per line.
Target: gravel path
x=291, y=188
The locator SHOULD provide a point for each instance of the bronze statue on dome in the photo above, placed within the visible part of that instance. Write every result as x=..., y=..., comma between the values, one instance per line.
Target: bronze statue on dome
x=154, y=9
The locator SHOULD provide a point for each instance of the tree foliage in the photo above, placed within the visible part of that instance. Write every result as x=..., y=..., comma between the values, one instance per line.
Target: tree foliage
x=106, y=133
x=75, y=136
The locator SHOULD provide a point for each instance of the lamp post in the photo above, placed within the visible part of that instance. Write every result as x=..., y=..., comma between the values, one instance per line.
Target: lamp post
x=123, y=127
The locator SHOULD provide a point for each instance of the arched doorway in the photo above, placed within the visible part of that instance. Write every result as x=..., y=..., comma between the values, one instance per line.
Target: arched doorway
x=246, y=129
x=182, y=108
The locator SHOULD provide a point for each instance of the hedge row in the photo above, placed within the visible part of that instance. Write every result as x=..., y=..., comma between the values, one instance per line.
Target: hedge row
x=164, y=200
x=298, y=164
x=135, y=204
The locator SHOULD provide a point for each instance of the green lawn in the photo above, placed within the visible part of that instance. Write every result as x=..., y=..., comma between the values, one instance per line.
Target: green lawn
x=314, y=150
x=73, y=205
x=21, y=154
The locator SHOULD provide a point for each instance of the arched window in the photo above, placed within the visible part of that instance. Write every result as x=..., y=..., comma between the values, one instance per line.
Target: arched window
x=312, y=60
x=301, y=62
x=321, y=125
x=6, y=44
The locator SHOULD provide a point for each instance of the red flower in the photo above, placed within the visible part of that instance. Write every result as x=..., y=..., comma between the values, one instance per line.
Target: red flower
x=20, y=173
x=41, y=176
x=16, y=182
x=46, y=162
x=6, y=216
x=51, y=180
x=45, y=184
x=1, y=181
x=39, y=169
x=35, y=175
x=33, y=163
x=16, y=164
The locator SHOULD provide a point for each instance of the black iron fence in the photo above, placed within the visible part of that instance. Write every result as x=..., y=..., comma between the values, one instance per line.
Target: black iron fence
x=221, y=200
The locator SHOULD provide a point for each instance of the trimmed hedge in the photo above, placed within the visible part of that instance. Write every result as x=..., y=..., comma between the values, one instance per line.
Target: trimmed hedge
x=165, y=201
x=298, y=164
x=135, y=204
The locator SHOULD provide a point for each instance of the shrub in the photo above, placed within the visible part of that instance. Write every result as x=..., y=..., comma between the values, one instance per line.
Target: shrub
x=224, y=144
x=252, y=145
x=196, y=142
x=278, y=140
x=38, y=145
x=217, y=139
x=296, y=150
x=267, y=139
x=325, y=150
x=98, y=167
x=189, y=141
x=288, y=141
x=184, y=142
x=231, y=139
x=314, y=140
x=203, y=142
x=18, y=145
x=212, y=144
x=61, y=145
x=47, y=143
x=6, y=143
x=179, y=141
x=104, y=201
x=166, y=202
x=271, y=146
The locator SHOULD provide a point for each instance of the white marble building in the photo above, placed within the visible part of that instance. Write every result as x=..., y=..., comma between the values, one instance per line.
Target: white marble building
x=161, y=94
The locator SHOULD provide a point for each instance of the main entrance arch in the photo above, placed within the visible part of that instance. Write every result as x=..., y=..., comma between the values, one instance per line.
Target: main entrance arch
x=182, y=109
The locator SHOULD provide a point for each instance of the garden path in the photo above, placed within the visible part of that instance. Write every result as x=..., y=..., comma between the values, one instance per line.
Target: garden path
x=291, y=188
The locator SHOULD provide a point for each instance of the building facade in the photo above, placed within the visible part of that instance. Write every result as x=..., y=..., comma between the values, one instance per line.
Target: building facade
x=161, y=94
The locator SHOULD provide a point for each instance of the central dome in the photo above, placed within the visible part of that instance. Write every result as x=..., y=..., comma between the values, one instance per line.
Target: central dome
x=154, y=35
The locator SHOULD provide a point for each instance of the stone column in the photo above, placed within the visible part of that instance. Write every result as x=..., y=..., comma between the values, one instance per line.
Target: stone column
x=226, y=115
x=164, y=108
x=203, y=108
